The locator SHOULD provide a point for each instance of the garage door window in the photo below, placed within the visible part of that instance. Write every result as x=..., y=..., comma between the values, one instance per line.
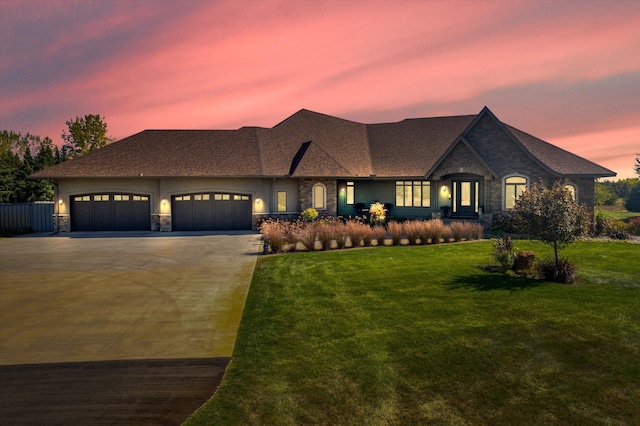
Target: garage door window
x=119, y=197
x=101, y=197
x=84, y=198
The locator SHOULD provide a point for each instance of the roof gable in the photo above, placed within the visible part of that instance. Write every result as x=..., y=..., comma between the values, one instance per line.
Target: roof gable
x=411, y=147
x=342, y=140
x=457, y=162
x=311, y=144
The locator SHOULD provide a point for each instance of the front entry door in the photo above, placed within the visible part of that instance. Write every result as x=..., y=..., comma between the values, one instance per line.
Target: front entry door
x=465, y=198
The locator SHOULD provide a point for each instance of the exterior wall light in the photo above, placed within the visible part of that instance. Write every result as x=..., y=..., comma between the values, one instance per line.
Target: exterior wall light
x=60, y=201
x=164, y=201
x=258, y=200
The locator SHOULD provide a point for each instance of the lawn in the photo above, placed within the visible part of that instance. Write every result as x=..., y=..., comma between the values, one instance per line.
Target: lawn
x=616, y=214
x=423, y=335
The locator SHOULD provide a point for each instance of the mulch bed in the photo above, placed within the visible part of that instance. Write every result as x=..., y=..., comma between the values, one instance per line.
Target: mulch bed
x=136, y=392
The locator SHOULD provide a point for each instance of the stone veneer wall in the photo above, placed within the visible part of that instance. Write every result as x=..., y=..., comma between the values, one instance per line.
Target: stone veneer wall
x=62, y=222
x=161, y=222
x=305, y=195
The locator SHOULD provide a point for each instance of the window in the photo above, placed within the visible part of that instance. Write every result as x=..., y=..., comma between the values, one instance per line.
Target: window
x=282, y=201
x=513, y=188
x=101, y=197
x=572, y=191
x=351, y=193
x=413, y=193
x=319, y=196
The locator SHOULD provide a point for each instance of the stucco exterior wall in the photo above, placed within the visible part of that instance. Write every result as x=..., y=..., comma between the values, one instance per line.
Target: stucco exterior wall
x=262, y=192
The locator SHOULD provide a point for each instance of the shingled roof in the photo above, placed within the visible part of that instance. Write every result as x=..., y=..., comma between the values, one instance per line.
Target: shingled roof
x=307, y=144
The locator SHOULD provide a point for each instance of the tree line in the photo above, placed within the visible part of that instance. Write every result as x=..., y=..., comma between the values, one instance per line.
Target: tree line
x=22, y=155
x=623, y=191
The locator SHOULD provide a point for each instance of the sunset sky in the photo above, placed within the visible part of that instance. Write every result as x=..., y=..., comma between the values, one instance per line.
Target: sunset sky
x=565, y=71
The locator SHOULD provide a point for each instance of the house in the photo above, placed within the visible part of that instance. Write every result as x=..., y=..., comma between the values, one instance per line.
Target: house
x=470, y=166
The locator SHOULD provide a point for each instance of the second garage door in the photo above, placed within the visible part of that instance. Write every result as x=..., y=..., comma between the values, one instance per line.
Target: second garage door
x=211, y=212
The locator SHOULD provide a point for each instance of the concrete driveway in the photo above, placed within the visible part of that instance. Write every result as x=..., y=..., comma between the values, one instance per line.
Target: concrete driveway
x=118, y=328
x=115, y=296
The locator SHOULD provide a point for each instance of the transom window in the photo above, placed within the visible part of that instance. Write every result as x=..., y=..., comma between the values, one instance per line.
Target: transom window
x=513, y=188
x=413, y=193
x=319, y=196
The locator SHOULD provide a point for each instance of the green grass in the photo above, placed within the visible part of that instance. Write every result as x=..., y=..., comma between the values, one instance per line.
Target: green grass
x=619, y=214
x=422, y=335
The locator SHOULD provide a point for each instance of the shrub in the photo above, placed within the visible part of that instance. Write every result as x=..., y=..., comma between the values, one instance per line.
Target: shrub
x=378, y=213
x=422, y=231
x=564, y=271
x=477, y=230
x=503, y=222
x=634, y=225
x=272, y=231
x=412, y=230
x=379, y=233
x=619, y=230
x=306, y=235
x=601, y=225
x=504, y=251
x=366, y=234
x=326, y=233
x=396, y=232
x=446, y=234
x=354, y=231
x=340, y=234
x=310, y=214
x=457, y=230
x=434, y=230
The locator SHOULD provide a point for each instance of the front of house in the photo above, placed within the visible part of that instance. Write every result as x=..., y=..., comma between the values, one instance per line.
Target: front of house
x=467, y=167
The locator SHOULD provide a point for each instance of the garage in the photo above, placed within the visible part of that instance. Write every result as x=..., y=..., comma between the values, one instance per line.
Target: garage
x=211, y=212
x=110, y=212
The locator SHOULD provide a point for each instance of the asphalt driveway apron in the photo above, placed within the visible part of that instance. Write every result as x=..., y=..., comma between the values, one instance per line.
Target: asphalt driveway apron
x=118, y=328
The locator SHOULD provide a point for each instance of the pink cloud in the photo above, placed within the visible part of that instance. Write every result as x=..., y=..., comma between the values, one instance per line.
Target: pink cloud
x=556, y=69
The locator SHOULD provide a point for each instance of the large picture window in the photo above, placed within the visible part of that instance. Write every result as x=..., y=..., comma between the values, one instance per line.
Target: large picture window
x=513, y=187
x=413, y=193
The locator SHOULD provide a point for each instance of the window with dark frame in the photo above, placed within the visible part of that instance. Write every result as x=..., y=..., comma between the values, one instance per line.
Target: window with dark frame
x=413, y=193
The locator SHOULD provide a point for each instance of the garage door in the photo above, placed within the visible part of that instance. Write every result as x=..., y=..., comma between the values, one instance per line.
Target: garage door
x=211, y=212
x=110, y=212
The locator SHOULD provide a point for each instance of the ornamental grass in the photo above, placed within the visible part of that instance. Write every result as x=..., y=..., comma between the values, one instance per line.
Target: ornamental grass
x=283, y=235
x=396, y=232
x=379, y=234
